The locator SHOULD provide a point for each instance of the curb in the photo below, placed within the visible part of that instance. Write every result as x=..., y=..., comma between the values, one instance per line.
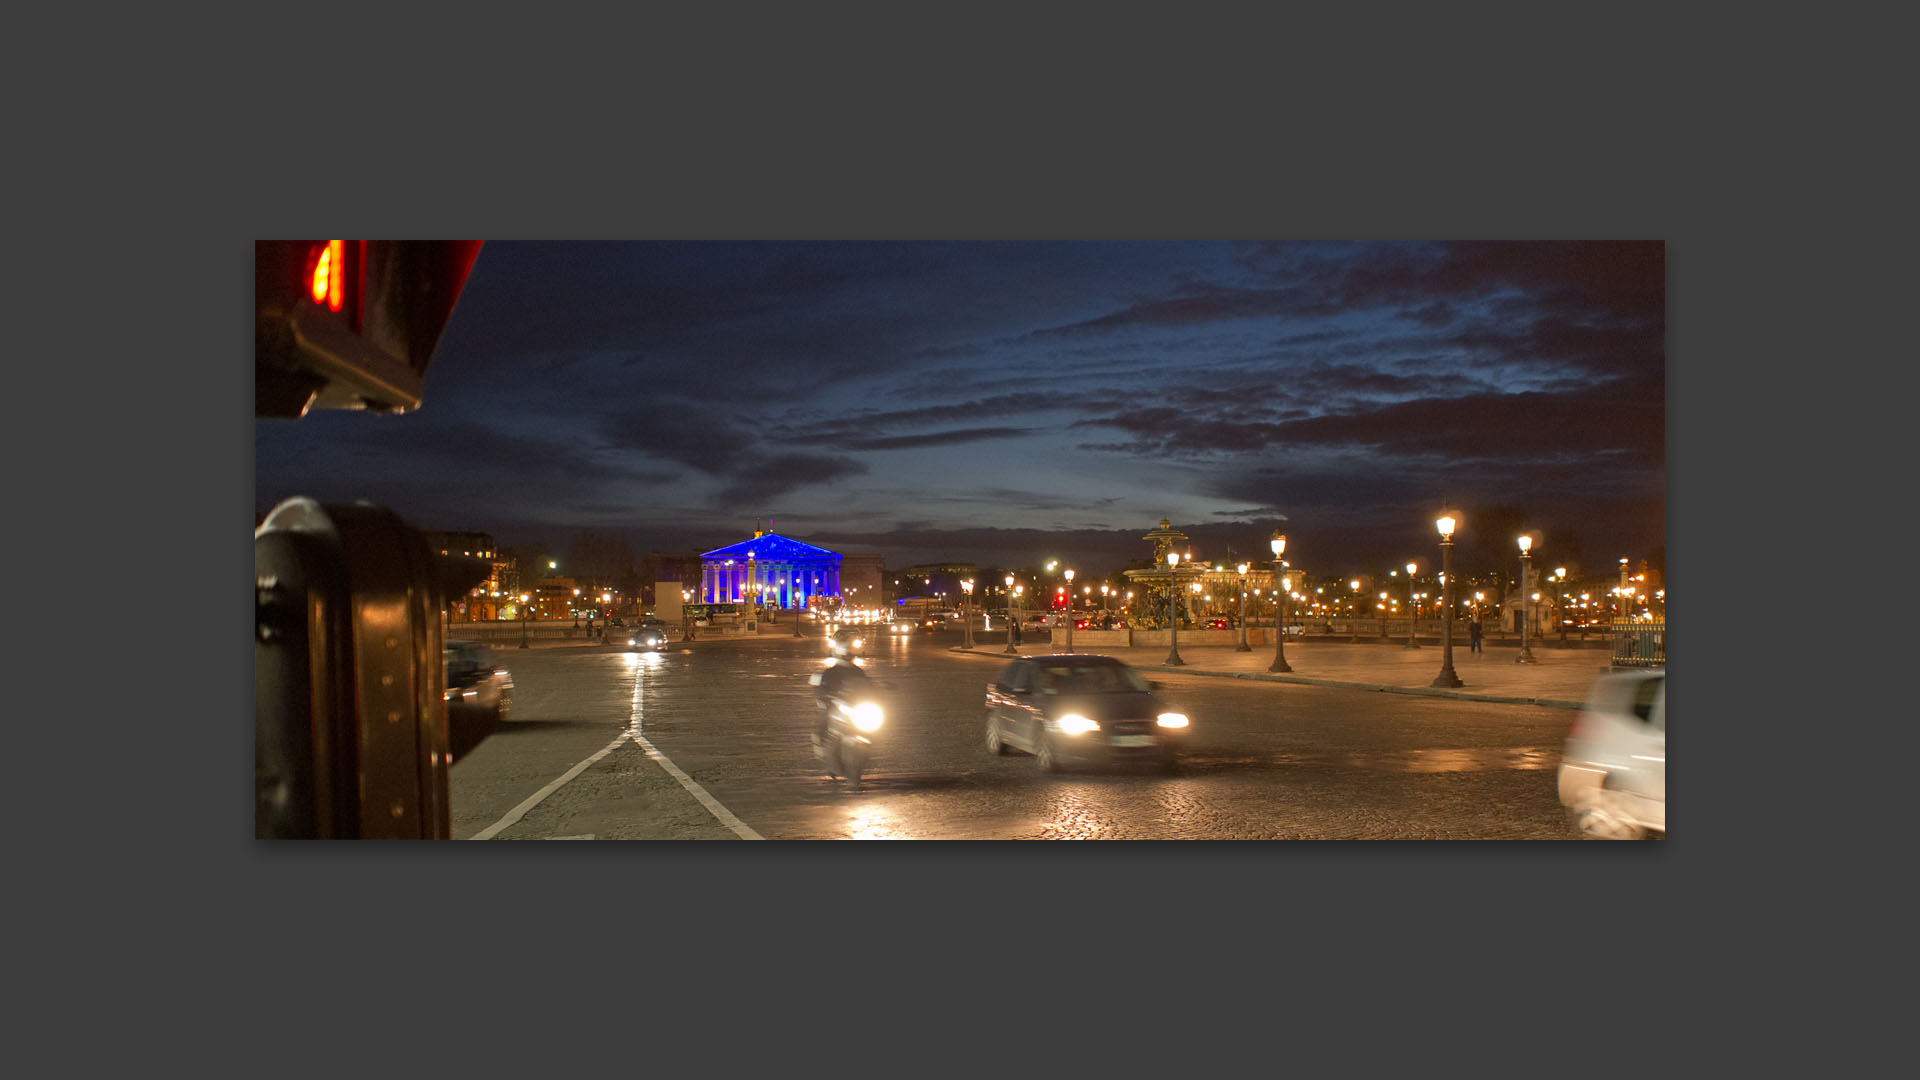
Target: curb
x=1421, y=691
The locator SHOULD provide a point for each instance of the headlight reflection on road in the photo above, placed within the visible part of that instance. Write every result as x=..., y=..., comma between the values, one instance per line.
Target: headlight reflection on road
x=643, y=665
x=870, y=821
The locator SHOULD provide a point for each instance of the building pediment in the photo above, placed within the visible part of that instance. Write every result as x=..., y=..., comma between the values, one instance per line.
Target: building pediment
x=770, y=546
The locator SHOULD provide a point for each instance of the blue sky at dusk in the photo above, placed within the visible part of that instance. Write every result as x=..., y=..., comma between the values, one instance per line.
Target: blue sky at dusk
x=1007, y=403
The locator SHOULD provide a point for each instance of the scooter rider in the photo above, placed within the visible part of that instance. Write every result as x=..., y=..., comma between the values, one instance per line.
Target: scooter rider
x=841, y=680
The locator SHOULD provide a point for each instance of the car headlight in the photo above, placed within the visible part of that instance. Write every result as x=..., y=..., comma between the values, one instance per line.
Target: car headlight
x=630, y=641
x=867, y=716
x=1075, y=724
x=856, y=643
x=1172, y=719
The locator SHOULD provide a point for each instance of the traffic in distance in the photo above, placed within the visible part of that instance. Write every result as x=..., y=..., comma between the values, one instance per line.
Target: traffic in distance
x=890, y=729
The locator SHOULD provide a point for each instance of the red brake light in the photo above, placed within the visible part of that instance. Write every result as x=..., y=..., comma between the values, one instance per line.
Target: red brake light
x=328, y=275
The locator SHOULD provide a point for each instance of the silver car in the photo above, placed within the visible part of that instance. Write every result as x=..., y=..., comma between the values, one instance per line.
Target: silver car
x=1613, y=771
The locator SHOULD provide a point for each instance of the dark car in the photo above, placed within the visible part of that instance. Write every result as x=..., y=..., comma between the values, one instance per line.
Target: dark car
x=648, y=634
x=1078, y=708
x=849, y=640
x=477, y=696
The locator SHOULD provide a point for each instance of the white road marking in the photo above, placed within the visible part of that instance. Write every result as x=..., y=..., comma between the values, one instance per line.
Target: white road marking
x=537, y=797
x=720, y=813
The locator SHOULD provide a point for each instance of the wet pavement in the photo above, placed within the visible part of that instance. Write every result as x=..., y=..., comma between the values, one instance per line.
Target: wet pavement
x=1560, y=676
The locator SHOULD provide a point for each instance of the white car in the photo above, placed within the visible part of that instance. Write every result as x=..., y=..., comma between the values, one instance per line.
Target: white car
x=1613, y=772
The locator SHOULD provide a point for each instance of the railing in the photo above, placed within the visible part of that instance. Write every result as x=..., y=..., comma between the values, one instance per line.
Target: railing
x=1640, y=643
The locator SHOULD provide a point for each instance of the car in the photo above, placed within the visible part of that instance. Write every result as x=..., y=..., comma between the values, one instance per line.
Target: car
x=648, y=634
x=1082, y=708
x=1613, y=769
x=897, y=627
x=847, y=640
x=478, y=694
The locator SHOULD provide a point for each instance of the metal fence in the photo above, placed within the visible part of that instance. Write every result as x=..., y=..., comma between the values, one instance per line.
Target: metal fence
x=1640, y=643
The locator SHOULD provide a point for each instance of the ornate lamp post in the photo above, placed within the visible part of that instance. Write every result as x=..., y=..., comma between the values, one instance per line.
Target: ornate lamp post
x=1526, y=600
x=1243, y=646
x=1279, y=546
x=1173, y=618
x=1559, y=611
x=1010, y=650
x=1446, y=678
x=1413, y=609
x=1069, y=573
x=966, y=618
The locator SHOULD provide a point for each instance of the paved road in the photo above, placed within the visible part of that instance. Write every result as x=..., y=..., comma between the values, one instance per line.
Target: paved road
x=709, y=742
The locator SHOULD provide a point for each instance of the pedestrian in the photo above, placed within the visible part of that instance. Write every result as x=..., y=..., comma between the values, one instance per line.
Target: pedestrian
x=1473, y=635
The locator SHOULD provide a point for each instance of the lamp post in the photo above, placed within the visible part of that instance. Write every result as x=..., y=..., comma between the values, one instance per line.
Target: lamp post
x=524, y=613
x=1383, y=616
x=1173, y=618
x=1069, y=573
x=1413, y=609
x=1011, y=651
x=1279, y=545
x=1243, y=646
x=966, y=618
x=1446, y=678
x=1560, y=612
x=1526, y=600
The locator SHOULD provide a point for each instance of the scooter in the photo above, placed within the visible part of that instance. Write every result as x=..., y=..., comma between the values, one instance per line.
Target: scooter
x=852, y=723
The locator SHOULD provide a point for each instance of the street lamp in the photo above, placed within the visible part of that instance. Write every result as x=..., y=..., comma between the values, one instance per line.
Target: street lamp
x=1279, y=545
x=1069, y=574
x=1446, y=678
x=1413, y=609
x=1173, y=618
x=524, y=612
x=1560, y=613
x=1526, y=599
x=1010, y=649
x=966, y=619
x=1243, y=646
x=1383, y=616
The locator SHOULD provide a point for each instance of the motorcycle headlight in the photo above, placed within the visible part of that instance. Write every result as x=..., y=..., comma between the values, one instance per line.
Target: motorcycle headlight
x=1172, y=719
x=1075, y=724
x=867, y=716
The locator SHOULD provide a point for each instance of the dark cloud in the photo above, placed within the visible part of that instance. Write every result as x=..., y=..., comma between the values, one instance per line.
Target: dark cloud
x=940, y=438
x=762, y=479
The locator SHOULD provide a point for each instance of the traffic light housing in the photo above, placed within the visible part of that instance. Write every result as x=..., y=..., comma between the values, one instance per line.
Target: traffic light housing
x=350, y=324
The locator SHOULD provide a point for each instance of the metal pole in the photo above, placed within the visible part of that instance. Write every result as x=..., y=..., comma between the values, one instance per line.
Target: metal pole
x=1279, y=623
x=1526, y=609
x=1173, y=620
x=1010, y=650
x=1243, y=646
x=1446, y=678
x=1413, y=612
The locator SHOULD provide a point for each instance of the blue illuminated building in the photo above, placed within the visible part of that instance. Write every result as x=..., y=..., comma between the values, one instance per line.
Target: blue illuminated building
x=793, y=574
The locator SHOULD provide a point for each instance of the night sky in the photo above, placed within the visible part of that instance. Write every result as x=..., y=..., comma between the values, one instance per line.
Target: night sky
x=1009, y=403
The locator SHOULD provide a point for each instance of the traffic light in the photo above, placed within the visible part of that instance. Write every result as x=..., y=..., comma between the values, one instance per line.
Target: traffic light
x=350, y=324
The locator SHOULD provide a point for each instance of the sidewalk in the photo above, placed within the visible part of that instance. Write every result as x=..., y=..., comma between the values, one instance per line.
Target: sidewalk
x=1560, y=678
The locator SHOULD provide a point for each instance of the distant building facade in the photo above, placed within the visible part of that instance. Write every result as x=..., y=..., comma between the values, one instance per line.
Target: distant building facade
x=778, y=570
x=483, y=601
